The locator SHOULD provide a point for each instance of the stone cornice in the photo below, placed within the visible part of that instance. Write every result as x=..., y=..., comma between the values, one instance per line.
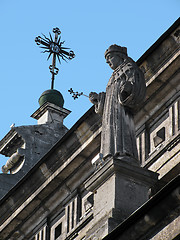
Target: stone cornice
x=49, y=106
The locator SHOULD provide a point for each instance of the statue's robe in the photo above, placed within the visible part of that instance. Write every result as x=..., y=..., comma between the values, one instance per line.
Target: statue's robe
x=124, y=92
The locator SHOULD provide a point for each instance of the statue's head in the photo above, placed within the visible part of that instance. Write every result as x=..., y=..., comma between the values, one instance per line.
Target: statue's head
x=115, y=55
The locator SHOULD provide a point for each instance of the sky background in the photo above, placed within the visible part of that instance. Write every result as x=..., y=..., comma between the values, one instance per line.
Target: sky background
x=88, y=28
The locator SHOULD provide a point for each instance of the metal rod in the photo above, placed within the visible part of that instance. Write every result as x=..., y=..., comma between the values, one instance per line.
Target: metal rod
x=53, y=69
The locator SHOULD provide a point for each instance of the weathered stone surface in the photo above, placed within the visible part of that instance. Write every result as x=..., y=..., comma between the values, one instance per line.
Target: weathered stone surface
x=52, y=195
x=124, y=92
x=170, y=231
x=30, y=143
x=158, y=218
x=54, y=180
x=119, y=189
x=50, y=113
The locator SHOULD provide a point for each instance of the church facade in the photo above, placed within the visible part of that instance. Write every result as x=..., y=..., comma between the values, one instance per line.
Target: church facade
x=59, y=188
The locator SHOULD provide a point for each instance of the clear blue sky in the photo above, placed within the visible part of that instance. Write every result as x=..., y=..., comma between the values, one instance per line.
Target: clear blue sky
x=88, y=28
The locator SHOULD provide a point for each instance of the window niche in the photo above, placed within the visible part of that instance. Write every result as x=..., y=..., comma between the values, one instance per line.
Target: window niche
x=160, y=137
x=58, y=231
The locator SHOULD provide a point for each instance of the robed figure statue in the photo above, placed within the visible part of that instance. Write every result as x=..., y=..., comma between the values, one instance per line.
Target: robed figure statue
x=124, y=92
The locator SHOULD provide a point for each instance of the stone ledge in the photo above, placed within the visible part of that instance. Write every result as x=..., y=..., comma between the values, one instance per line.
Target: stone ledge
x=122, y=167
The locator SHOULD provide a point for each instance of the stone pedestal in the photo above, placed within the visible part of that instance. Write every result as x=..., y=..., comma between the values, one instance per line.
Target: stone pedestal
x=119, y=189
x=50, y=113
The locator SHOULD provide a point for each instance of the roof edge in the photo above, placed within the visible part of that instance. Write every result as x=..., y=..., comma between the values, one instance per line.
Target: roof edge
x=159, y=41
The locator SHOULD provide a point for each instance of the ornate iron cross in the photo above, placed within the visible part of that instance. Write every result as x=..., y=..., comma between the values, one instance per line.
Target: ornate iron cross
x=56, y=49
x=75, y=95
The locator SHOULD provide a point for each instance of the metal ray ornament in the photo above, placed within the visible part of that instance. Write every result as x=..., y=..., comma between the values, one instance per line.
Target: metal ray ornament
x=56, y=49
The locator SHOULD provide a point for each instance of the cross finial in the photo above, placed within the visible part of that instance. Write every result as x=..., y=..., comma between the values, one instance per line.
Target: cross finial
x=56, y=49
x=75, y=95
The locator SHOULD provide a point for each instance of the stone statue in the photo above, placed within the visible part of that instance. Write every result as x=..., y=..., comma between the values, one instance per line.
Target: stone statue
x=124, y=92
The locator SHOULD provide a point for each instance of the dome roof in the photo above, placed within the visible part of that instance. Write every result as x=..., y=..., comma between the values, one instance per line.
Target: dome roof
x=51, y=96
